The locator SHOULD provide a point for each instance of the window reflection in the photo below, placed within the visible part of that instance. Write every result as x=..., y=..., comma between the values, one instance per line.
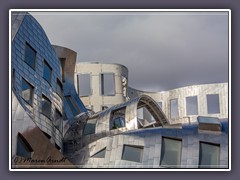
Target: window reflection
x=30, y=56
x=132, y=153
x=89, y=128
x=47, y=72
x=171, y=152
x=27, y=92
x=46, y=107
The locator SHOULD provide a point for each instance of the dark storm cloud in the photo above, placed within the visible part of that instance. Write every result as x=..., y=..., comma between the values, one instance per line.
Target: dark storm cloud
x=161, y=50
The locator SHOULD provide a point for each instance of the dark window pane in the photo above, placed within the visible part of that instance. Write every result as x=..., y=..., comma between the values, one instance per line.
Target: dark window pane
x=107, y=84
x=59, y=88
x=100, y=154
x=132, y=153
x=73, y=106
x=27, y=92
x=213, y=104
x=84, y=84
x=117, y=123
x=23, y=147
x=171, y=152
x=174, y=108
x=117, y=119
x=89, y=127
x=30, y=56
x=209, y=155
x=192, y=105
x=47, y=72
x=46, y=107
x=58, y=120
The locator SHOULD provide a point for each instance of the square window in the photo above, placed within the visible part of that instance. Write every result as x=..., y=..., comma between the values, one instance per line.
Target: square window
x=84, y=84
x=171, y=152
x=30, y=56
x=192, y=105
x=174, y=108
x=213, y=104
x=46, y=107
x=47, y=72
x=27, y=92
x=107, y=84
x=209, y=155
x=132, y=153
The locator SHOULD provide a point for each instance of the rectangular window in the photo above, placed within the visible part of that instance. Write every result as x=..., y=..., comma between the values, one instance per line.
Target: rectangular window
x=59, y=88
x=89, y=128
x=107, y=84
x=23, y=147
x=72, y=105
x=27, y=92
x=117, y=119
x=209, y=155
x=192, y=105
x=213, y=104
x=30, y=56
x=47, y=72
x=13, y=78
x=174, y=108
x=58, y=120
x=171, y=152
x=84, y=84
x=46, y=107
x=132, y=153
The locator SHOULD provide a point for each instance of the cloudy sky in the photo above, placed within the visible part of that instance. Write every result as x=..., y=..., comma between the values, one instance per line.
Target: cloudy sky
x=162, y=50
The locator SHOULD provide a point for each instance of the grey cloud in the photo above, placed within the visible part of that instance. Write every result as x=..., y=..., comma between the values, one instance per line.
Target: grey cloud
x=161, y=51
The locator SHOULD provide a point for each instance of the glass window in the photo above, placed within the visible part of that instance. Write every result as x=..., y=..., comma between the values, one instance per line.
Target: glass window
x=84, y=84
x=59, y=88
x=100, y=154
x=23, y=147
x=132, y=153
x=58, y=120
x=192, y=105
x=209, y=155
x=27, y=92
x=73, y=106
x=213, y=104
x=107, y=84
x=117, y=122
x=89, y=128
x=174, y=108
x=13, y=78
x=46, y=106
x=30, y=56
x=47, y=72
x=171, y=152
x=117, y=119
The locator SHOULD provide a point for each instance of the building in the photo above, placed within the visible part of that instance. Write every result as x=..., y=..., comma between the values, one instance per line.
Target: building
x=68, y=115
